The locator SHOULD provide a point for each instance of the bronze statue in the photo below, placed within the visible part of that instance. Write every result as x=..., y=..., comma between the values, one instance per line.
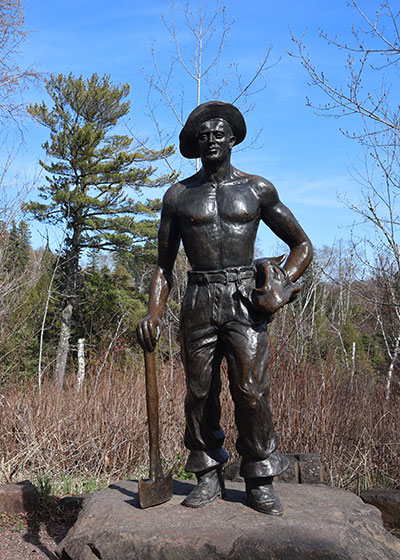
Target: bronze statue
x=228, y=303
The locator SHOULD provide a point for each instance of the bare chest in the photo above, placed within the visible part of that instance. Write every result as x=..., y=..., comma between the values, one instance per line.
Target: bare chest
x=207, y=205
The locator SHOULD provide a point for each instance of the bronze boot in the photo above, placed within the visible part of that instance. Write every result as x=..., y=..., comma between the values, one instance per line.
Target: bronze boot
x=210, y=486
x=262, y=497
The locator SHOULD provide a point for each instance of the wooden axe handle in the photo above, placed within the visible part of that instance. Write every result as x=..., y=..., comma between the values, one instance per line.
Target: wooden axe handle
x=152, y=415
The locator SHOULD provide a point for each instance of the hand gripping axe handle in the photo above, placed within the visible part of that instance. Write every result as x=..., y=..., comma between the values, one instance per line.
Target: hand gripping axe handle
x=158, y=488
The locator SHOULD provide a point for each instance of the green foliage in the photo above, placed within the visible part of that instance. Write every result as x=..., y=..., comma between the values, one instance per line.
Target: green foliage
x=22, y=300
x=18, y=252
x=89, y=168
x=66, y=484
x=109, y=304
x=373, y=346
x=12, y=520
x=179, y=469
x=44, y=486
x=21, y=325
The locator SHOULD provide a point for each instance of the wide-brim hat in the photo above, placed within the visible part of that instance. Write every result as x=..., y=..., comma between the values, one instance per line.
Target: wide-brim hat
x=211, y=110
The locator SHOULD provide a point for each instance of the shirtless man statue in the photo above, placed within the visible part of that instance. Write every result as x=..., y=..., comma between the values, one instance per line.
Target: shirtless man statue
x=228, y=303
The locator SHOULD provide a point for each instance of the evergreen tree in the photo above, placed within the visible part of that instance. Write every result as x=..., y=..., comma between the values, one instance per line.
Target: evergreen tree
x=109, y=306
x=18, y=247
x=88, y=172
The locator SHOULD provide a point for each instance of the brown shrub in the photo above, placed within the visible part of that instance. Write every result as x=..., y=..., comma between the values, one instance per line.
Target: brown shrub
x=101, y=431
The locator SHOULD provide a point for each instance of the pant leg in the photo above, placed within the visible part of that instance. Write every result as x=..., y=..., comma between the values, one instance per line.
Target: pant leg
x=201, y=355
x=245, y=343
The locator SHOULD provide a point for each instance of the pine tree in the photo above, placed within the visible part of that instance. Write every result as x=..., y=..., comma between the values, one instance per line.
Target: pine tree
x=19, y=247
x=87, y=177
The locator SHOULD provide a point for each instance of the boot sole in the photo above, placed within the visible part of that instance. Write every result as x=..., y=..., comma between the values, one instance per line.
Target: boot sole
x=202, y=504
x=275, y=513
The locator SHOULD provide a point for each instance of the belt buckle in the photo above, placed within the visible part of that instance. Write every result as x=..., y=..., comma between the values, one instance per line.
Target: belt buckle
x=240, y=275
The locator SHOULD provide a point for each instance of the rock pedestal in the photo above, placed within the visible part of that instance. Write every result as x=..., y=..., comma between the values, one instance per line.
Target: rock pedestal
x=319, y=523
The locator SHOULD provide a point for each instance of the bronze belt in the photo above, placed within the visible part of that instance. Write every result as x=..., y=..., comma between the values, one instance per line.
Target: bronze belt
x=221, y=276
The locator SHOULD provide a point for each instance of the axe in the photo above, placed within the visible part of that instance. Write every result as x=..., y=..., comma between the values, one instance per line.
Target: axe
x=158, y=488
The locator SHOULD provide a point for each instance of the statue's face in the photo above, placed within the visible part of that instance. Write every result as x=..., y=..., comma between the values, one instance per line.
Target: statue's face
x=215, y=140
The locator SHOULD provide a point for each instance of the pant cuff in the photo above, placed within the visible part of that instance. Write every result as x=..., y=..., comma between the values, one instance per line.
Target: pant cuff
x=202, y=460
x=274, y=465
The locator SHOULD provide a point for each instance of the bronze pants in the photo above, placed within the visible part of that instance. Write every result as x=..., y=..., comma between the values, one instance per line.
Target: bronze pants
x=218, y=320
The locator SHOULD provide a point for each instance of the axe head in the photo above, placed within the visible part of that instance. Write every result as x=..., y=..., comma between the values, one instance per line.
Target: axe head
x=155, y=491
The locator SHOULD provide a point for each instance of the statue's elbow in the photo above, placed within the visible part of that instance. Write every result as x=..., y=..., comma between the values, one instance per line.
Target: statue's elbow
x=308, y=252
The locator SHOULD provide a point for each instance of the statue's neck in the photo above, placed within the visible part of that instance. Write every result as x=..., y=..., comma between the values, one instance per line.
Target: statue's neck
x=216, y=172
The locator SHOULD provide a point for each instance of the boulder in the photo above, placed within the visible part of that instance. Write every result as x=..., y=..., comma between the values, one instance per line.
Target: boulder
x=20, y=497
x=310, y=468
x=387, y=500
x=70, y=503
x=319, y=522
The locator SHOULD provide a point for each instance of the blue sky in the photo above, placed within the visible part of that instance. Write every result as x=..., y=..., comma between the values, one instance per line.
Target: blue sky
x=304, y=155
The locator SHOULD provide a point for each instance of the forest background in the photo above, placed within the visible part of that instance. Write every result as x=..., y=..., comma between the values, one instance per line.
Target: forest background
x=78, y=234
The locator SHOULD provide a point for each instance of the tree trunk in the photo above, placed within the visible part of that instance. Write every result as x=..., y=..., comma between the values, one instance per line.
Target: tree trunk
x=81, y=362
x=71, y=270
x=63, y=344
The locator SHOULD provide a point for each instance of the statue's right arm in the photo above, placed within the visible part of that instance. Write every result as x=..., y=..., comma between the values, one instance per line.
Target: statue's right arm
x=148, y=329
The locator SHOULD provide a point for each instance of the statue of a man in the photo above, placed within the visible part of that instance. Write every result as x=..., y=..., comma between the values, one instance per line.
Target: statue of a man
x=228, y=303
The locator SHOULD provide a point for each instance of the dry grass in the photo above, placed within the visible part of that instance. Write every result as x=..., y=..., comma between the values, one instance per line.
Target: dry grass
x=100, y=433
x=349, y=423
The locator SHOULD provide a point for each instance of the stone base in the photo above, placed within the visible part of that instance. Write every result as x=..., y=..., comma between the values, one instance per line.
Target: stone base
x=319, y=522
x=21, y=497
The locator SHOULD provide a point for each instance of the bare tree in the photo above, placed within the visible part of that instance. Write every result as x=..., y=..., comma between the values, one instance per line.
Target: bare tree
x=371, y=60
x=195, y=75
x=13, y=77
x=367, y=98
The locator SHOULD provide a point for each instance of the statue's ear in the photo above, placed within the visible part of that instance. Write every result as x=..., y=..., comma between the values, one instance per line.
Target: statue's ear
x=232, y=141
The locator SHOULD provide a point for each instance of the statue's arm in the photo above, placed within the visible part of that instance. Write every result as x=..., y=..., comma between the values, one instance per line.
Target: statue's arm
x=161, y=282
x=283, y=223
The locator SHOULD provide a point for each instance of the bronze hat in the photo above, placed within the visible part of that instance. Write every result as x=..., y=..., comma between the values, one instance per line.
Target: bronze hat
x=205, y=112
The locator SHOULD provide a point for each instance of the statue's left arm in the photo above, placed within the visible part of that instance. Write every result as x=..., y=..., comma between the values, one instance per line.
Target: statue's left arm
x=283, y=223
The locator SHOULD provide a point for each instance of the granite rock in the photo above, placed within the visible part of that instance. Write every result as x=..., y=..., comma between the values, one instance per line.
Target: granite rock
x=70, y=503
x=387, y=500
x=20, y=497
x=319, y=522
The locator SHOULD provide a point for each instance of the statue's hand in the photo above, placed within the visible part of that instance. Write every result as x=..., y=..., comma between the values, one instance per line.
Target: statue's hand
x=148, y=332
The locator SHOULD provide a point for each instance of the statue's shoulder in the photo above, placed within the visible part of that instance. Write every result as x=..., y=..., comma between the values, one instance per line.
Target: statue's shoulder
x=172, y=193
x=175, y=192
x=177, y=188
x=261, y=187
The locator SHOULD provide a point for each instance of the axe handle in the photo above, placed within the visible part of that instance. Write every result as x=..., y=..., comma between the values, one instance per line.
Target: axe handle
x=152, y=414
